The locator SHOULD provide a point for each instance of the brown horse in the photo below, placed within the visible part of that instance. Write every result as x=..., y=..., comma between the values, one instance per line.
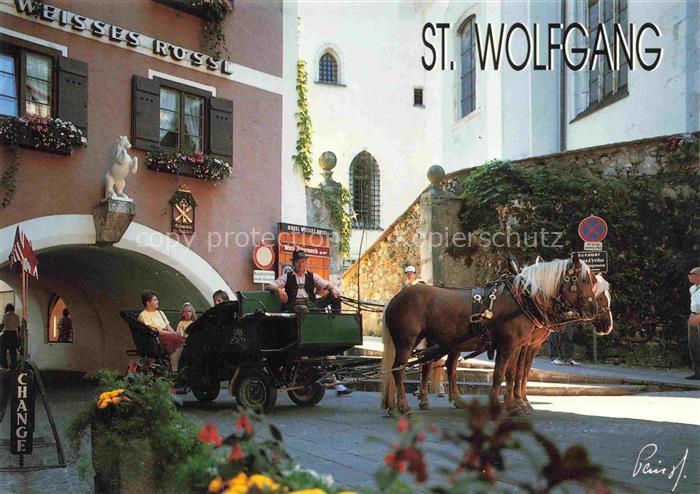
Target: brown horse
x=561, y=288
x=603, y=324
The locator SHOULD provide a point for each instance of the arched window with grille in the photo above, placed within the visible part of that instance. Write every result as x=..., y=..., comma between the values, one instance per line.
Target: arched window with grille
x=364, y=187
x=328, y=69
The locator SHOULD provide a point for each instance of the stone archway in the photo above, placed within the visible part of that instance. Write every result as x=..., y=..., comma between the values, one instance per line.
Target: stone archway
x=96, y=282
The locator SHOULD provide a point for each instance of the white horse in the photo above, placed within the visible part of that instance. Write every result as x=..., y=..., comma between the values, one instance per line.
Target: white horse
x=121, y=165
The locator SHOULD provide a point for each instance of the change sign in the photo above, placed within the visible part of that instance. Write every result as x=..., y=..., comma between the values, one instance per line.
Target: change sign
x=597, y=260
x=22, y=412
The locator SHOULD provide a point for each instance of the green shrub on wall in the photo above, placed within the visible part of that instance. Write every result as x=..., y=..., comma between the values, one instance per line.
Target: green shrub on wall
x=653, y=239
x=302, y=158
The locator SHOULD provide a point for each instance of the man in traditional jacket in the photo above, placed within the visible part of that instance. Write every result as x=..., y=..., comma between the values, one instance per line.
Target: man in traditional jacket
x=301, y=286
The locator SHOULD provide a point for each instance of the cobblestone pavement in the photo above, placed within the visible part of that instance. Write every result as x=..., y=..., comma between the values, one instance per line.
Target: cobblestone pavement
x=332, y=437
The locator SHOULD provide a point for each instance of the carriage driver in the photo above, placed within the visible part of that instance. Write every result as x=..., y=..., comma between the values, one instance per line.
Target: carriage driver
x=300, y=287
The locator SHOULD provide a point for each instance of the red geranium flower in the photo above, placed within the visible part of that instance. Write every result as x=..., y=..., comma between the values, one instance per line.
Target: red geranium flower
x=243, y=423
x=208, y=434
x=236, y=453
x=403, y=426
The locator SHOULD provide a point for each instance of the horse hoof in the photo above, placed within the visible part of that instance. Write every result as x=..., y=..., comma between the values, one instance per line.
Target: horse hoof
x=515, y=411
x=393, y=413
x=424, y=405
x=459, y=403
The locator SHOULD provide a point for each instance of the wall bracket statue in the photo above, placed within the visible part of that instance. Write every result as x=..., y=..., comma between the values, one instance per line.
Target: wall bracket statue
x=122, y=164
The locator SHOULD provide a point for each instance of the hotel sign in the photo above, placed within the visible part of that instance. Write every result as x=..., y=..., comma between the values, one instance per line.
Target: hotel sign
x=122, y=36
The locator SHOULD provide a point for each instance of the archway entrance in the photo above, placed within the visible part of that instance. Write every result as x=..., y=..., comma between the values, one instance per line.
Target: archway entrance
x=96, y=282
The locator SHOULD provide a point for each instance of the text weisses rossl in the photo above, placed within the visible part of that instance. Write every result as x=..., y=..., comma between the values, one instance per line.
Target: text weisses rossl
x=119, y=35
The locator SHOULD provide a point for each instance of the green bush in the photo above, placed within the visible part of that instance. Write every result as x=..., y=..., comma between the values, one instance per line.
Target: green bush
x=653, y=239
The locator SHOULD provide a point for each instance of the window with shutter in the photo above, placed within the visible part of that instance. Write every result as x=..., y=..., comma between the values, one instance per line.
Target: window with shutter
x=221, y=127
x=145, y=110
x=38, y=81
x=176, y=116
x=73, y=92
x=27, y=82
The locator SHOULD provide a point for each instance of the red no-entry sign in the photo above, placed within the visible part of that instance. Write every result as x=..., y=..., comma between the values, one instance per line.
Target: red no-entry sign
x=592, y=229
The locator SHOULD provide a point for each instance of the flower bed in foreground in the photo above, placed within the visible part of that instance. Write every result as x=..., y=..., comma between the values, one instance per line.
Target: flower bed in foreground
x=141, y=441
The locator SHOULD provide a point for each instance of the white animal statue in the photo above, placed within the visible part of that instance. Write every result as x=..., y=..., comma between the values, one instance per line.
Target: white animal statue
x=121, y=165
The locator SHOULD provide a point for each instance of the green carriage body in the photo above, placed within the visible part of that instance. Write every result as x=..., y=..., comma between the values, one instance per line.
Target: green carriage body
x=258, y=349
x=316, y=332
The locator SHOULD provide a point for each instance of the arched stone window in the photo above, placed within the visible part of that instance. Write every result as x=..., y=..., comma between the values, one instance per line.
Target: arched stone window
x=60, y=328
x=328, y=69
x=364, y=187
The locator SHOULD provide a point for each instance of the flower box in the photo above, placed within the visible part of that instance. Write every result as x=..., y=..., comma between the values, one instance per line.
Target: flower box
x=52, y=135
x=209, y=10
x=197, y=165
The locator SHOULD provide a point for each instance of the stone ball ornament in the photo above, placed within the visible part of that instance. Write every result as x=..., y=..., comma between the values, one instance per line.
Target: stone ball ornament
x=436, y=174
x=327, y=161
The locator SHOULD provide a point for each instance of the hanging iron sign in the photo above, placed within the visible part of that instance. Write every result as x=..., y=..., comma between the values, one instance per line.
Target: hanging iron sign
x=183, y=205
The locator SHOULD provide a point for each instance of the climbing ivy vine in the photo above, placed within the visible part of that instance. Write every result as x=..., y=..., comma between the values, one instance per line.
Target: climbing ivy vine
x=339, y=200
x=302, y=158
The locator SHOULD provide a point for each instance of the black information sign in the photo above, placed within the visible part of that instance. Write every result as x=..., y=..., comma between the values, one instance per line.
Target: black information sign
x=22, y=411
x=597, y=260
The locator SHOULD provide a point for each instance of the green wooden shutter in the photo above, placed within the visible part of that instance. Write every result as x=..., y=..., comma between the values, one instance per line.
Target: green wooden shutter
x=145, y=113
x=73, y=92
x=221, y=127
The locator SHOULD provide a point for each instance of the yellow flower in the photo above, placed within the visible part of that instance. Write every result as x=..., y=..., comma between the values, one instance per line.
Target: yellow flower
x=240, y=479
x=309, y=491
x=236, y=489
x=102, y=404
x=215, y=485
x=262, y=482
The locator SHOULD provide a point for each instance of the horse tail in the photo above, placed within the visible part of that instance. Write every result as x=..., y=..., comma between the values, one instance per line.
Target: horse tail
x=388, y=358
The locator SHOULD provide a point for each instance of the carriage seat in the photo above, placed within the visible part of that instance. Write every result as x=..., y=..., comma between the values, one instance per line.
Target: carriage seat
x=250, y=302
x=145, y=339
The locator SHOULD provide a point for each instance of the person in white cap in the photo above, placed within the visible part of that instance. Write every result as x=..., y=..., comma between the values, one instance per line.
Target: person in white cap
x=411, y=276
x=694, y=322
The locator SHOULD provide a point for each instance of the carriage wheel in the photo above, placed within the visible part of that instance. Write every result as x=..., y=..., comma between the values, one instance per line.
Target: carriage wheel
x=308, y=396
x=207, y=393
x=254, y=390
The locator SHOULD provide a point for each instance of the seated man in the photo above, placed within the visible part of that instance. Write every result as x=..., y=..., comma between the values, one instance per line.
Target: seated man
x=155, y=319
x=300, y=287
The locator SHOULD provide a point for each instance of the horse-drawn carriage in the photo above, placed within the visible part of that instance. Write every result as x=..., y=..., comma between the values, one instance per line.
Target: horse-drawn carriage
x=259, y=350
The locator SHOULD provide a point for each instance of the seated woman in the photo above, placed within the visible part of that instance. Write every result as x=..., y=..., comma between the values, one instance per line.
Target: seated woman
x=156, y=320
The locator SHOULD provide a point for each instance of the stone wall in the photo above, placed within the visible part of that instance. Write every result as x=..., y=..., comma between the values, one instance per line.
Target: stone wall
x=642, y=157
x=404, y=242
x=381, y=267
